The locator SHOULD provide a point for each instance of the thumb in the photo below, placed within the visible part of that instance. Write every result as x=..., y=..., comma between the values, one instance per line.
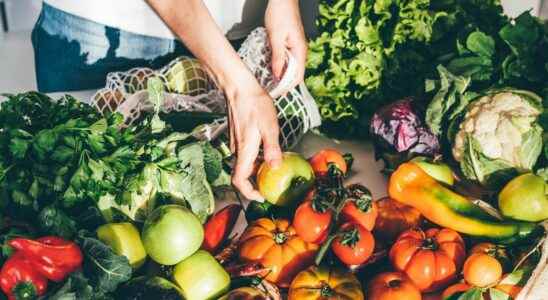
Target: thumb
x=278, y=57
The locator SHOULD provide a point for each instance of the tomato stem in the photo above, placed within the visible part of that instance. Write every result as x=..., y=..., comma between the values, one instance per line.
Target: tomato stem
x=430, y=244
x=349, y=159
x=362, y=197
x=394, y=283
x=326, y=290
x=319, y=203
x=280, y=238
x=350, y=237
x=324, y=248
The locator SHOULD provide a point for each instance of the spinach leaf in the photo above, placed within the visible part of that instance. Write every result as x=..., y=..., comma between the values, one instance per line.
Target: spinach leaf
x=476, y=60
x=481, y=44
x=449, y=100
x=104, y=269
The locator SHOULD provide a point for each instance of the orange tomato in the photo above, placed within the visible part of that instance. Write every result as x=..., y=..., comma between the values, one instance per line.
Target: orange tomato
x=496, y=251
x=355, y=244
x=276, y=245
x=321, y=160
x=311, y=225
x=482, y=270
x=394, y=218
x=431, y=259
x=455, y=288
x=392, y=286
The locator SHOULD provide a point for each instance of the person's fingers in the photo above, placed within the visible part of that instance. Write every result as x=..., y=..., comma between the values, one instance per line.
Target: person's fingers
x=278, y=55
x=271, y=146
x=248, y=150
x=299, y=52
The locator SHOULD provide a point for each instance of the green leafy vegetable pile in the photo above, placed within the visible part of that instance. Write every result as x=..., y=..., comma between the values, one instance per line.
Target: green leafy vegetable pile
x=65, y=170
x=64, y=167
x=370, y=53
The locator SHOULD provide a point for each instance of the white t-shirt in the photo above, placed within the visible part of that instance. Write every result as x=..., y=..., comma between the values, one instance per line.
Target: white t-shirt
x=235, y=17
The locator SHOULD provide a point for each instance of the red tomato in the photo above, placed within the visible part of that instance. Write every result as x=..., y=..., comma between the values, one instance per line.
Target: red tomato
x=354, y=245
x=321, y=160
x=361, y=211
x=311, y=225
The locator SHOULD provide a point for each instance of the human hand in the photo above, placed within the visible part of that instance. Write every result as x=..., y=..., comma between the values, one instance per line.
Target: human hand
x=253, y=121
x=285, y=31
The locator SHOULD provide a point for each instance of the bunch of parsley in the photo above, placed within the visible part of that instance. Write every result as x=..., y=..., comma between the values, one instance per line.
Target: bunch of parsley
x=64, y=167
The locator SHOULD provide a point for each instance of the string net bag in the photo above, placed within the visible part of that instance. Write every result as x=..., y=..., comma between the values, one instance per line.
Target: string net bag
x=189, y=87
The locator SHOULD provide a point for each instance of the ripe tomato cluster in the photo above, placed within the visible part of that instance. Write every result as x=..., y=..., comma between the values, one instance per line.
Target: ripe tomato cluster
x=338, y=217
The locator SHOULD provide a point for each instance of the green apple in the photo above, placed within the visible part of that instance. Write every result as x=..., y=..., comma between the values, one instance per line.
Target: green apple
x=286, y=183
x=525, y=198
x=438, y=170
x=124, y=239
x=201, y=277
x=172, y=233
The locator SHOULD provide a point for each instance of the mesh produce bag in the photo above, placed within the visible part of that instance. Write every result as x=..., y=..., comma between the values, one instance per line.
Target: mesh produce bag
x=189, y=88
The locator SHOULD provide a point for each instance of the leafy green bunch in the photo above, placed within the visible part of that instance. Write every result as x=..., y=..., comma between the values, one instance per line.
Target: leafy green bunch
x=369, y=53
x=60, y=161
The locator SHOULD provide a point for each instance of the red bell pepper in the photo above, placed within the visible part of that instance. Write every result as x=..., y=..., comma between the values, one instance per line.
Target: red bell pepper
x=19, y=277
x=53, y=257
x=219, y=226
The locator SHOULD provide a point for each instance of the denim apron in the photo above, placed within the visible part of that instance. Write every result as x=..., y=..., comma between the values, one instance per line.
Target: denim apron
x=73, y=53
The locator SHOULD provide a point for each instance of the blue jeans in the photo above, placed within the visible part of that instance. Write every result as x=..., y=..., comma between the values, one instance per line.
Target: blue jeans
x=72, y=53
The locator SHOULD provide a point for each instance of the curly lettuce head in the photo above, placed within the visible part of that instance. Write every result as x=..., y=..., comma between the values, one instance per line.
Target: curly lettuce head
x=347, y=62
x=499, y=136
